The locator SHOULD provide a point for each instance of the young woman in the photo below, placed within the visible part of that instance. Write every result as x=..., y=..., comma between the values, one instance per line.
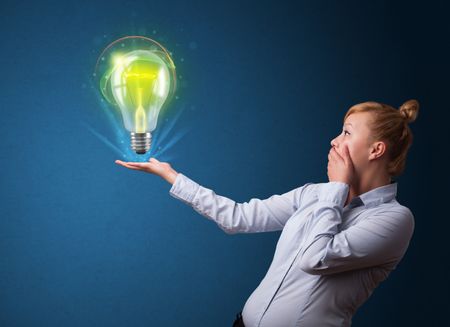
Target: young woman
x=339, y=239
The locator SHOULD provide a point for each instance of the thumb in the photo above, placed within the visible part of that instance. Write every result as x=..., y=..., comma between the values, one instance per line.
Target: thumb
x=347, y=154
x=153, y=160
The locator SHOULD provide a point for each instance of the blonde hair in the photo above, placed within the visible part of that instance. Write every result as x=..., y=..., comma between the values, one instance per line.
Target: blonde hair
x=391, y=126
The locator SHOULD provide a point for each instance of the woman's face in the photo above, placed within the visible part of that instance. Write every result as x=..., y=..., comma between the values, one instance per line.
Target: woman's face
x=356, y=135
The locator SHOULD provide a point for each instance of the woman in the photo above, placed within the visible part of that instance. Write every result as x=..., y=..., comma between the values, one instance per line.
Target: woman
x=339, y=239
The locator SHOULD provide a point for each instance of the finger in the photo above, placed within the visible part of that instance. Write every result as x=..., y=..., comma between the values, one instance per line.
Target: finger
x=333, y=154
x=136, y=164
x=153, y=160
x=347, y=154
x=121, y=163
x=330, y=155
x=134, y=168
x=128, y=166
x=337, y=156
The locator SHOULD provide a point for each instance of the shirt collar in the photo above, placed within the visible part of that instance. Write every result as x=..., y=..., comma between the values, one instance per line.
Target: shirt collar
x=376, y=196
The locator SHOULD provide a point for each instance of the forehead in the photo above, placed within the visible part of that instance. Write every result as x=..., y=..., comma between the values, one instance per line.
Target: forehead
x=358, y=120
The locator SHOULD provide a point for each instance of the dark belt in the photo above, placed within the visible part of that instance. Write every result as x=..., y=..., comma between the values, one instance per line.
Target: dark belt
x=238, y=322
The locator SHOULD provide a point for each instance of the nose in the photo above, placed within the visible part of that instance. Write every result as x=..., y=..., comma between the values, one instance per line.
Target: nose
x=333, y=142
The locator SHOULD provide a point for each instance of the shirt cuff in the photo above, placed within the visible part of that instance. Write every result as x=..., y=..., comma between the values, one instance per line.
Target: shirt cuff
x=184, y=188
x=335, y=192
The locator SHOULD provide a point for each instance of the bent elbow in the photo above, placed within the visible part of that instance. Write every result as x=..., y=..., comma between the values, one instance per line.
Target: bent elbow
x=229, y=230
x=311, y=266
x=306, y=266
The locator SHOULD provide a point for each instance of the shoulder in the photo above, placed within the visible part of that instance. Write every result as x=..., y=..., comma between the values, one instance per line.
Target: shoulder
x=395, y=209
x=394, y=216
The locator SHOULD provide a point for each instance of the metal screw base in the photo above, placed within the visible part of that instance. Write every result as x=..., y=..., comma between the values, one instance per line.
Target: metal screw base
x=140, y=142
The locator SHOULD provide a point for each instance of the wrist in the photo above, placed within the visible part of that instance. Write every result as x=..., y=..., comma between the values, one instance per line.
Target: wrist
x=170, y=176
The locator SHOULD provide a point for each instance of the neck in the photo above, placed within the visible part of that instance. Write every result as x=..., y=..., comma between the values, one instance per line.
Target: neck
x=367, y=182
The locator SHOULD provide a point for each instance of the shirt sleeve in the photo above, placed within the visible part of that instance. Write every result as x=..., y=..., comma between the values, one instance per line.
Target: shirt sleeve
x=379, y=239
x=254, y=216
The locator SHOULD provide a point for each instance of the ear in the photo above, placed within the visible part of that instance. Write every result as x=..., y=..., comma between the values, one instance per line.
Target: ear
x=377, y=150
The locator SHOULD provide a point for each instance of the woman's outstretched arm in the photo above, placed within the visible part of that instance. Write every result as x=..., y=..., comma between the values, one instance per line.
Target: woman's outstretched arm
x=254, y=216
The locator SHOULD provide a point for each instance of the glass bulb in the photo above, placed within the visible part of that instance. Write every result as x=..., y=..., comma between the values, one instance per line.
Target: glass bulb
x=139, y=82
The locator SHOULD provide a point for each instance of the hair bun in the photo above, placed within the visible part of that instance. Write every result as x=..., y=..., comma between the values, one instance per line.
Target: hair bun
x=409, y=110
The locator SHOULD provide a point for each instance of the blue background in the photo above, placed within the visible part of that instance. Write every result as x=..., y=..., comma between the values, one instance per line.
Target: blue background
x=263, y=89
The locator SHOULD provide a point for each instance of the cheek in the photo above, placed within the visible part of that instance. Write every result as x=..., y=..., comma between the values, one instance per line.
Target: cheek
x=357, y=154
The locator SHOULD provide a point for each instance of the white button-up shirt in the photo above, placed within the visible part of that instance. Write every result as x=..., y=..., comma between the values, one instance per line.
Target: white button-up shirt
x=329, y=257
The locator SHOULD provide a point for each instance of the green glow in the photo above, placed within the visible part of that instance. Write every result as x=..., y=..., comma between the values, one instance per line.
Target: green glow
x=138, y=82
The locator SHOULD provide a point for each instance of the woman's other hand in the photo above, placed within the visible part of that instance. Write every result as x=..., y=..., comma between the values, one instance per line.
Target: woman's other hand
x=153, y=166
x=340, y=167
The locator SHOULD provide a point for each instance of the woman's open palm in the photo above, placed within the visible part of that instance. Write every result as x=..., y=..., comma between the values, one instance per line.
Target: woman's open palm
x=153, y=166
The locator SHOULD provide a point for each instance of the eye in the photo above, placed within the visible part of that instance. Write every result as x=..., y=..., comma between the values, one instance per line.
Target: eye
x=346, y=132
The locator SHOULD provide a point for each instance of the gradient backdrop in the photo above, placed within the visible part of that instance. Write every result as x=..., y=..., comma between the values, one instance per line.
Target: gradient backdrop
x=263, y=88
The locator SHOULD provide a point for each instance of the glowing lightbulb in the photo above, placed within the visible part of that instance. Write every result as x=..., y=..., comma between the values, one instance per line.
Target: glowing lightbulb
x=139, y=82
